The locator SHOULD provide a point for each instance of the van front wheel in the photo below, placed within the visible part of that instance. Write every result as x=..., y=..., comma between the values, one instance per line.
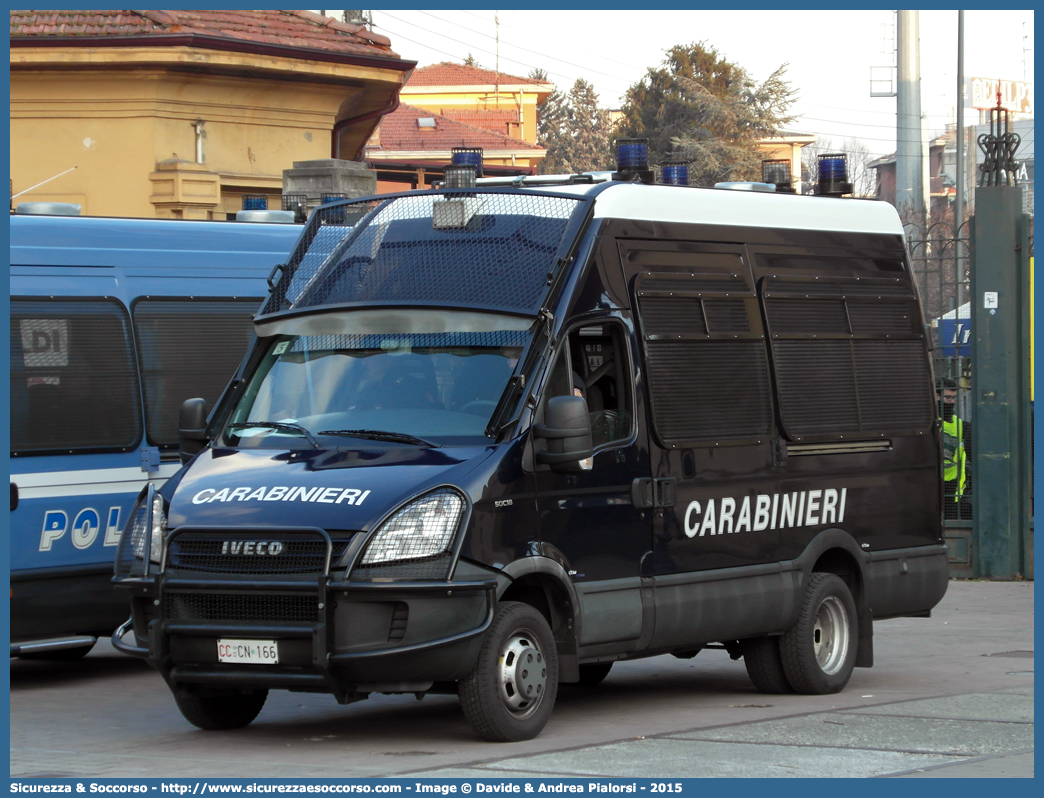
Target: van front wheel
x=221, y=712
x=509, y=694
x=818, y=652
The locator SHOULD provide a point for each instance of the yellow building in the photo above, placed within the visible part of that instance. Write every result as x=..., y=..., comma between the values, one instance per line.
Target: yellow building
x=180, y=113
x=479, y=97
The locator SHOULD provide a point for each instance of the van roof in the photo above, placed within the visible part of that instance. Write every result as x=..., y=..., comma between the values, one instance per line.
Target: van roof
x=728, y=207
x=106, y=241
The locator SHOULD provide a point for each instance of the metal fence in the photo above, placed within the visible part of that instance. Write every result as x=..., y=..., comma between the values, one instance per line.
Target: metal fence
x=941, y=256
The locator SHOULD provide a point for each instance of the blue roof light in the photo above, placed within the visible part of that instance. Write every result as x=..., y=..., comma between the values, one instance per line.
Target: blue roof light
x=675, y=174
x=255, y=202
x=467, y=156
x=833, y=175
x=632, y=154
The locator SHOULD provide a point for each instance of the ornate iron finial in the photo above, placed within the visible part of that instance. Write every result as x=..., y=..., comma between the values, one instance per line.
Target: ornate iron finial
x=998, y=146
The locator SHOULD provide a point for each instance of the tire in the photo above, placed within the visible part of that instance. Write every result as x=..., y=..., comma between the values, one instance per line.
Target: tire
x=60, y=654
x=594, y=674
x=221, y=712
x=765, y=665
x=819, y=651
x=509, y=694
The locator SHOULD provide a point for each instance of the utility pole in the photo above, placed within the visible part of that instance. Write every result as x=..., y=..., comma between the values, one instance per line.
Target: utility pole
x=1001, y=445
x=909, y=169
x=958, y=205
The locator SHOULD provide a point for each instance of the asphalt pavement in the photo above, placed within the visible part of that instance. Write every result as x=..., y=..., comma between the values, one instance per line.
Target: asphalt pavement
x=950, y=696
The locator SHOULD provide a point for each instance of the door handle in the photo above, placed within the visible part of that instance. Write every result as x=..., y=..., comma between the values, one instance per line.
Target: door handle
x=647, y=492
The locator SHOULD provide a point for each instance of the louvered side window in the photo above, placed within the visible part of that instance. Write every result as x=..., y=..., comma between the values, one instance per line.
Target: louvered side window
x=74, y=387
x=849, y=356
x=188, y=348
x=705, y=358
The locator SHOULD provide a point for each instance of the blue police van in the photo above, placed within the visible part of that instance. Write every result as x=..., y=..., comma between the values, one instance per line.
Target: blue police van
x=498, y=436
x=113, y=323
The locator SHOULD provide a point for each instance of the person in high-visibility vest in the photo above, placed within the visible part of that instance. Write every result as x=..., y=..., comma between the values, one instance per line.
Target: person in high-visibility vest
x=955, y=452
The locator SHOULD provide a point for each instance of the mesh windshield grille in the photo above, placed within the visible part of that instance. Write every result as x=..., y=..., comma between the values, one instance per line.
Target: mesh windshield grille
x=240, y=607
x=498, y=258
x=252, y=552
x=73, y=381
x=188, y=348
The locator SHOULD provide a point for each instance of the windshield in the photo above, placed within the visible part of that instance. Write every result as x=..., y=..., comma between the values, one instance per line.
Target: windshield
x=336, y=391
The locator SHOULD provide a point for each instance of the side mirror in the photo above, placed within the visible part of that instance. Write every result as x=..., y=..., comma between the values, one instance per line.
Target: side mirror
x=192, y=428
x=568, y=434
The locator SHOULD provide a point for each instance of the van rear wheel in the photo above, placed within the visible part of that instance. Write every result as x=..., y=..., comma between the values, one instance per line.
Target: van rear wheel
x=818, y=652
x=509, y=694
x=765, y=665
x=221, y=712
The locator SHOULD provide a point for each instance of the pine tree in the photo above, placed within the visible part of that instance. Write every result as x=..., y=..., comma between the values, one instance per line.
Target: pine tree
x=588, y=130
x=701, y=108
x=573, y=129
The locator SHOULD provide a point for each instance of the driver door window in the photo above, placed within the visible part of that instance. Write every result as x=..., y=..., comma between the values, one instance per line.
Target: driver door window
x=593, y=364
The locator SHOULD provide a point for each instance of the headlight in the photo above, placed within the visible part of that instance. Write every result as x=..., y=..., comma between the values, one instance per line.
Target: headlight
x=423, y=528
x=157, y=520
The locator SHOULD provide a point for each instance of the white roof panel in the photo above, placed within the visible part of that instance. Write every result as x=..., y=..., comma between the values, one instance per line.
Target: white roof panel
x=717, y=206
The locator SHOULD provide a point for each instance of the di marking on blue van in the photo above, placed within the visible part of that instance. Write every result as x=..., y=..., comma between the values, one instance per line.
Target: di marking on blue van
x=114, y=323
x=496, y=436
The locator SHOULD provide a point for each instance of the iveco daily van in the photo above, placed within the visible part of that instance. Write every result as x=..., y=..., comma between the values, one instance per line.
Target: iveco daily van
x=493, y=438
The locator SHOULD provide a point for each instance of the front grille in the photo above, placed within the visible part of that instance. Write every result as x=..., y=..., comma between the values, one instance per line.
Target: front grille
x=252, y=552
x=240, y=607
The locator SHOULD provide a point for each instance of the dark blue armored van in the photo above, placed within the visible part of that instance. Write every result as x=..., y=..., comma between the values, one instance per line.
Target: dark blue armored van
x=493, y=438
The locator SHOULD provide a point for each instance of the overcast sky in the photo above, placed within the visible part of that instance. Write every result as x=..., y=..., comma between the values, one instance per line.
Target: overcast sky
x=829, y=53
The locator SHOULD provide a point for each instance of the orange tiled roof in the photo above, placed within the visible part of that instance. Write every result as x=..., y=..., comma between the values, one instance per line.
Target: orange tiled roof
x=303, y=29
x=497, y=121
x=399, y=131
x=450, y=74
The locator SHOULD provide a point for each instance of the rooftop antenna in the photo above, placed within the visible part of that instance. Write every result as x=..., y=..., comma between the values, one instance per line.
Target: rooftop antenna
x=496, y=86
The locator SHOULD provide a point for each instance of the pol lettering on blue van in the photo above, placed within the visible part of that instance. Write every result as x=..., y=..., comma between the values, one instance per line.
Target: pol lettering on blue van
x=114, y=323
x=496, y=436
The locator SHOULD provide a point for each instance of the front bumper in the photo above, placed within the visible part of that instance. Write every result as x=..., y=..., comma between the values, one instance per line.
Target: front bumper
x=365, y=637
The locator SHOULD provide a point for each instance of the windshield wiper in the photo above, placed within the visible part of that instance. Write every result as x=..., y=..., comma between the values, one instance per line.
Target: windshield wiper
x=380, y=435
x=279, y=426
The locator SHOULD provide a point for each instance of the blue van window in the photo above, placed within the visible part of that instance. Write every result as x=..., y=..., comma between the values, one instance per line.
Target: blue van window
x=410, y=250
x=73, y=382
x=188, y=348
x=435, y=386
